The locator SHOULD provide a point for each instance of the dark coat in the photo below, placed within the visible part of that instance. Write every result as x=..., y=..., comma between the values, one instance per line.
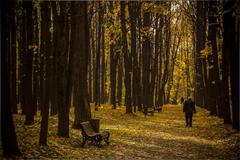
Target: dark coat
x=189, y=107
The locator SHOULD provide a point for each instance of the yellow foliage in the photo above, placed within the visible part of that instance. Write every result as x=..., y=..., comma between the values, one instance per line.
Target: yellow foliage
x=207, y=50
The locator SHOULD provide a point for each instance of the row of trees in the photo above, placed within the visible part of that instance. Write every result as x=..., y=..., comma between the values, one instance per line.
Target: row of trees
x=45, y=52
x=217, y=54
x=140, y=42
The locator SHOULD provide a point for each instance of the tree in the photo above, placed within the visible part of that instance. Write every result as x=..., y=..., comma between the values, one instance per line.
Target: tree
x=12, y=57
x=113, y=63
x=200, y=44
x=213, y=79
x=80, y=41
x=8, y=135
x=227, y=49
x=132, y=9
x=231, y=49
x=103, y=93
x=45, y=108
x=127, y=61
x=61, y=53
x=97, y=72
x=166, y=60
x=27, y=65
x=146, y=59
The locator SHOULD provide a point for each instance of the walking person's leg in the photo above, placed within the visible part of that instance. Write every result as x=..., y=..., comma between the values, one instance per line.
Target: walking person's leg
x=190, y=120
x=186, y=117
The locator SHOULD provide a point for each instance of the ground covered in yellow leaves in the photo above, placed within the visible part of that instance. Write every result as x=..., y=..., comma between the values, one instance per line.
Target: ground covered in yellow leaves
x=134, y=136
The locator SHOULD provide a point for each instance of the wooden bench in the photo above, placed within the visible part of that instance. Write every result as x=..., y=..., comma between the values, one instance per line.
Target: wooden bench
x=95, y=137
x=147, y=110
x=158, y=108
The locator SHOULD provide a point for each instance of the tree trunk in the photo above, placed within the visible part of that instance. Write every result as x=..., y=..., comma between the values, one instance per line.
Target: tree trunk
x=36, y=61
x=103, y=93
x=113, y=63
x=166, y=70
x=146, y=59
x=97, y=72
x=133, y=19
x=27, y=64
x=159, y=100
x=45, y=110
x=127, y=61
x=120, y=75
x=139, y=56
x=53, y=75
x=231, y=49
x=226, y=51
x=200, y=44
x=211, y=67
x=61, y=52
x=8, y=135
x=12, y=58
x=80, y=43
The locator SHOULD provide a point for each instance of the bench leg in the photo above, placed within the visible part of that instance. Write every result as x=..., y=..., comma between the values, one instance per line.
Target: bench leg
x=84, y=141
x=99, y=140
x=107, y=137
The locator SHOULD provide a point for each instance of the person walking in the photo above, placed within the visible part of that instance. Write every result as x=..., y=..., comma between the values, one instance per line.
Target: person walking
x=189, y=109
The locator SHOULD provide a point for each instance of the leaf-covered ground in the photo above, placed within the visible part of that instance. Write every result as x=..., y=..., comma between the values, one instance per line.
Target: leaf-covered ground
x=134, y=136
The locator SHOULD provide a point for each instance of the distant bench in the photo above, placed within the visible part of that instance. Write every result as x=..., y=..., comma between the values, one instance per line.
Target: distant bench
x=158, y=108
x=95, y=137
x=151, y=110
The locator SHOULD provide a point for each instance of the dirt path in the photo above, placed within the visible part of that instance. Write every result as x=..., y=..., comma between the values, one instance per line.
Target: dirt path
x=162, y=136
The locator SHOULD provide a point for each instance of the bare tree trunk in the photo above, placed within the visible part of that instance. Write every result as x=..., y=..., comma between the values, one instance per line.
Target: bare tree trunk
x=120, y=76
x=80, y=43
x=200, y=44
x=28, y=59
x=113, y=63
x=8, y=135
x=146, y=59
x=45, y=110
x=103, y=93
x=12, y=59
x=127, y=61
x=133, y=19
x=232, y=31
x=166, y=70
x=61, y=52
x=212, y=69
x=97, y=72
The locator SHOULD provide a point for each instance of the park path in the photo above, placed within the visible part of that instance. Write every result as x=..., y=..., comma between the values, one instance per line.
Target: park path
x=134, y=136
x=165, y=136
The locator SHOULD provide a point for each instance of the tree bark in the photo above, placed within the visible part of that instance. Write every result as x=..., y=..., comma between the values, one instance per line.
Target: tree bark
x=27, y=64
x=97, y=72
x=8, y=135
x=146, y=59
x=103, y=93
x=231, y=28
x=133, y=19
x=45, y=110
x=120, y=76
x=212, y=69
x=80, y=42
x=200, y=44
x=61, y=52
x=113, y=63
x=127, y=61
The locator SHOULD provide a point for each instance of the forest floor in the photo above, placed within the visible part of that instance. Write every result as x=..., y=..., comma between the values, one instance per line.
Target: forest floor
x=134, y=136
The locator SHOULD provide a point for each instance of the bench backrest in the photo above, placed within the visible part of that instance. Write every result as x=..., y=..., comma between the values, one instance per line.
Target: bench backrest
x=87, y=128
